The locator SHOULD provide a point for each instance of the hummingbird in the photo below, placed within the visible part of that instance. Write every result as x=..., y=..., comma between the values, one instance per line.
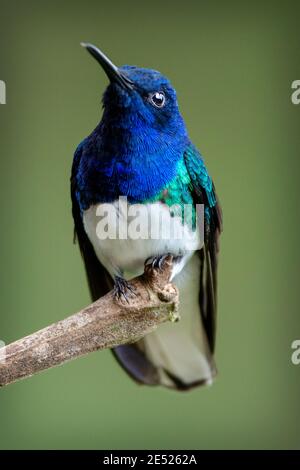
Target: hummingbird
x=141, y=150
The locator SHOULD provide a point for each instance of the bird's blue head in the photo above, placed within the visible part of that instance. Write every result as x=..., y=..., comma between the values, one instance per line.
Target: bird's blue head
x=140, y=105
x=136, y=148
x=147, y=99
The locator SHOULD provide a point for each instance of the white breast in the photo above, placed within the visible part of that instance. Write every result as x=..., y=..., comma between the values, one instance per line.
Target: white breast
x=124, y=236
x=181, y=349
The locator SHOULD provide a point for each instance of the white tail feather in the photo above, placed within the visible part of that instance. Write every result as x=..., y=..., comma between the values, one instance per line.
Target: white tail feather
x=182, y=348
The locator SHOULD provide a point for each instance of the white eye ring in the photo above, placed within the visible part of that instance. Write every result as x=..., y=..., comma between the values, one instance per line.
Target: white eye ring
x=158, y=99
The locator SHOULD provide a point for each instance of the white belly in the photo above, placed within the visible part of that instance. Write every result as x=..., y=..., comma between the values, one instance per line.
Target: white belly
x=182, y=349
x=152, y=232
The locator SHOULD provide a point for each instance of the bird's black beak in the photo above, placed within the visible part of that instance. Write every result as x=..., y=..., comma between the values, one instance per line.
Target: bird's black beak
x=112, y=71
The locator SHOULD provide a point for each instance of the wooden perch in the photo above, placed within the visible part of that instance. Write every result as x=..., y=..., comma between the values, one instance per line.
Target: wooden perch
x=106, y=323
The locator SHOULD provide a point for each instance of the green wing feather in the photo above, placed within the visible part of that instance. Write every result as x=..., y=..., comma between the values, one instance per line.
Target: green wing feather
x=203, y=191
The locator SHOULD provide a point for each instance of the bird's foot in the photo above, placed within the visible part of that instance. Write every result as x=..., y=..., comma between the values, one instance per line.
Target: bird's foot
x=123, y=289
x=170, y=291
x=157, y=262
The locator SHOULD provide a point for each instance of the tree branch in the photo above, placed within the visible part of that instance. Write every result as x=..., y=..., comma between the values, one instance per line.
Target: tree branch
x=106, y=323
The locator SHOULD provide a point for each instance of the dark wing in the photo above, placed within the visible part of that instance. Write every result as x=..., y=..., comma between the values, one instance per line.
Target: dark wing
x=100, y=283
x=204, y=193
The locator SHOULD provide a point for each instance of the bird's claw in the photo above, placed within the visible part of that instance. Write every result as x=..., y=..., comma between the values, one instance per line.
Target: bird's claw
x=123, y=289
x=156, y=262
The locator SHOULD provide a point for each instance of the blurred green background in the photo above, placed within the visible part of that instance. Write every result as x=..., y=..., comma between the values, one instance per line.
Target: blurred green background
x=232, y=64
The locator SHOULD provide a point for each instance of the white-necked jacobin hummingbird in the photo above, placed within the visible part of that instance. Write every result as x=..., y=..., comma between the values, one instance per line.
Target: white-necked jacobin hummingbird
x=141, y=150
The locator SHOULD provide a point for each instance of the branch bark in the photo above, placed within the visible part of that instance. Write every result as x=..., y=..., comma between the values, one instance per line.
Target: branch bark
x=106, y=323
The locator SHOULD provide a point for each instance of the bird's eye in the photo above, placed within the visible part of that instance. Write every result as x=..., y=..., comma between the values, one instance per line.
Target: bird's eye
x=158, y=99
